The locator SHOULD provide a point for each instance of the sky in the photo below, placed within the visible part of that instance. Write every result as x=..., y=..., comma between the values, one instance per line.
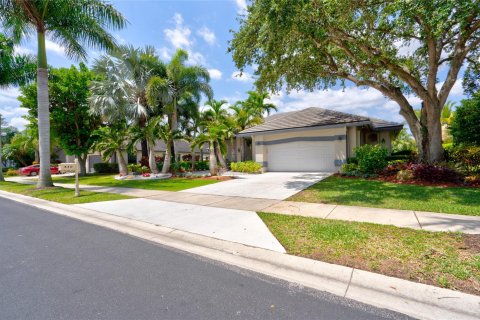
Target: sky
x=203, y=28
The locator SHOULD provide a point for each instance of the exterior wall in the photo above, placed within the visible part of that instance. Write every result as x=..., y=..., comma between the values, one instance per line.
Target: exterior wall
x=260, y=151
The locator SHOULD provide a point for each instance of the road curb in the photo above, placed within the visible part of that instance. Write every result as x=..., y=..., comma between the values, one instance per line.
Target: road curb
x=411, y=298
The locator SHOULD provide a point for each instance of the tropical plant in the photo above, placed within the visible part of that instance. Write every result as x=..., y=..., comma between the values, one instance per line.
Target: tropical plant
x=168, y=136
x=113, y=140
x=14, y=69
x=189, y=122
x=73, y=24
x=403, y=142
x=396, y=47
x=180, y=80
x=21, y=149
x=214, y=134
x=121, y=93
x=149, y=132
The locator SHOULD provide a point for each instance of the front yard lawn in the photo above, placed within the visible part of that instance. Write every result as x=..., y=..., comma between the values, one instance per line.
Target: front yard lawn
x=450, y=260
x=172, y=184
x=373, y=193
x=57, y=194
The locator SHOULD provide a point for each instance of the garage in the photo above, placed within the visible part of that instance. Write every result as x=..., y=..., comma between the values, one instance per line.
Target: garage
x=307, y=156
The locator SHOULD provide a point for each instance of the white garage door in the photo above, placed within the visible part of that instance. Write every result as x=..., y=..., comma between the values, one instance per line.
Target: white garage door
x=302, y=156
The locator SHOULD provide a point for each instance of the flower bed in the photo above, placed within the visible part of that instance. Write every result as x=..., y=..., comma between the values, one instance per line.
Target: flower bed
x=144, y=176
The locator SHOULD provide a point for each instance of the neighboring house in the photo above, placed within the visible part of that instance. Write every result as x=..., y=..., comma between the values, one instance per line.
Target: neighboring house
x=313, y=139
x=182, y=148
x=92, y=158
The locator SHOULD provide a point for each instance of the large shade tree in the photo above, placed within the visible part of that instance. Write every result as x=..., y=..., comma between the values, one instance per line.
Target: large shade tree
x=72, y=24
x=398, y=47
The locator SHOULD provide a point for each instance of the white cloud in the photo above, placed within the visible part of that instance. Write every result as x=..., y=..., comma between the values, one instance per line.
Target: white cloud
x=207, y=35
x=165, y=53
x=242, y=76
x=9, y=96
x=18, y=122
x=23, y=50
x=195, y=58
x=215, y=74
x=241, y=6
x=457, y=89
x=179, y=37
x=54, y=47
x=13, y=111
x=407, y=48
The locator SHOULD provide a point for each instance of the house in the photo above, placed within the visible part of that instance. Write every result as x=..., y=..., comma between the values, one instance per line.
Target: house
x=182, y=148
x=313, y=139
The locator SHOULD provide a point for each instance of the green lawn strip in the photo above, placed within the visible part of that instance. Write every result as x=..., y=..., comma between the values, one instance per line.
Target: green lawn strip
x=59, y=194
x=372, y=193
x=172, y=184
x=450, y=260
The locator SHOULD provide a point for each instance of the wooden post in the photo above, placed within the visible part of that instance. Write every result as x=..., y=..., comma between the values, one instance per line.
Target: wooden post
x=77, y=184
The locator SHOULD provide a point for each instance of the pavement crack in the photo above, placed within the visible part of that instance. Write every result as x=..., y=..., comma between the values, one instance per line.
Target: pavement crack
x=416, y=217
x=349, y=282
x=330, y=212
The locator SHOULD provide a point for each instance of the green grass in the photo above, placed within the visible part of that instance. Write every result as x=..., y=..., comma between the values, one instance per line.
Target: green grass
x=57, y=194
x=172, y=184
x=372, y=193
x=450, y=260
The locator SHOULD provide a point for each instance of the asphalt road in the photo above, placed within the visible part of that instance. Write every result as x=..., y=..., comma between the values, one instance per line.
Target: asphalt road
x=53, y=267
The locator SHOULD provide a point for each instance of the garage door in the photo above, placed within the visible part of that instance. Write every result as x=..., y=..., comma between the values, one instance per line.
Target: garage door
x=302, y=156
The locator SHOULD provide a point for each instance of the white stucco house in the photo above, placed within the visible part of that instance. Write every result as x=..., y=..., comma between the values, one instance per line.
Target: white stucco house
x=312, y=139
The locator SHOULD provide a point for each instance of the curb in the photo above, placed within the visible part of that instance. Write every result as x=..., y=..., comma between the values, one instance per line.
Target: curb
x=414, y=299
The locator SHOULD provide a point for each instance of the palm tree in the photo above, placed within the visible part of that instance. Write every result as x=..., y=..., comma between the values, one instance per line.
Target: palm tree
x=180, y=80
x=217, y=116
x=72, y=24
x=112, y=141
x=149, y=132
x=14, y=69
x=256, y=103
x=214, y=133
x=168, y=136
x=189, y=121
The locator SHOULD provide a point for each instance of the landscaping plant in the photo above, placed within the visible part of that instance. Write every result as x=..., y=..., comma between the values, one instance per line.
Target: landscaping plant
x=371, y=159
x=246, y=166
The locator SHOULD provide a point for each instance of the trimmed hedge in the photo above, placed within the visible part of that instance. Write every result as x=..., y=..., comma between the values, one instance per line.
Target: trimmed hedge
x=246, y=166
x=371, y=159
x=103, y=167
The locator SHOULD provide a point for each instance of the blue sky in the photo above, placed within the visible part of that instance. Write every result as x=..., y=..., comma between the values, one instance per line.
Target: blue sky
x=203, y=28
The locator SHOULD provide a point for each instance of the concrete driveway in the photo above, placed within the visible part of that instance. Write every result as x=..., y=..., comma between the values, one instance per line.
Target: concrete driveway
x=270, y=185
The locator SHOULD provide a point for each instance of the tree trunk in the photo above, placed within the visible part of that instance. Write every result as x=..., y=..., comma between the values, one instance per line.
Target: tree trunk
x=122, y=165
x=151, y=158
x=82, y=162
x=174, y=127
x=193, y=160
x=220, y=156
x=1, y=159
x=167, y=160
x=45, y=178
x=434, y=125
x=212, y=161
x=144, y=145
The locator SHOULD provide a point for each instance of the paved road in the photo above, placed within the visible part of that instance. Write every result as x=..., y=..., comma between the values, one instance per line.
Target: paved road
x=52, y=267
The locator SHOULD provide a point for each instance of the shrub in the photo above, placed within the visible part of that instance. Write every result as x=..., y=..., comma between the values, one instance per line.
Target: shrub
x=394, y=167
x=135, y=169
x=11, y=173
x=465, y=127
x=405, y=175
x=435, y=173
x=352, y=160
x=201, y=165
x=246, y=166
x=371, y=159
x=144, y=162
x=349, y=168
x=103, y=167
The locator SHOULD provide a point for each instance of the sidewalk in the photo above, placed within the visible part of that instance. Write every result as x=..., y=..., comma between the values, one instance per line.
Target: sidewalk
x=430, y=221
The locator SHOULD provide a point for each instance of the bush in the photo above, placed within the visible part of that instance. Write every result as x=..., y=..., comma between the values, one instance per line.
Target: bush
x=103, y=167
x=371, y=159
x=11, y=173
x=466, y=159
x=201, y=165
x=404, y=175
x=349, y=168
x=435, y=173
x=135, y=169
x=246, y=166
x=352, y=160
x=465, y=127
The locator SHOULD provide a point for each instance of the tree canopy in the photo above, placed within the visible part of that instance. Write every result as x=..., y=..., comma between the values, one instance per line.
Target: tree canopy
x=465, y=127
x=394, y=46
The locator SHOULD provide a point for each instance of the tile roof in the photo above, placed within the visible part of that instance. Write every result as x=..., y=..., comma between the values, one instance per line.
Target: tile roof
x=315, y=117
x=181, y=146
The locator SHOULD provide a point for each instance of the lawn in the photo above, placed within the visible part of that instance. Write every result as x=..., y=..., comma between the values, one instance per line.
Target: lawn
x=172, y=184
x=372, y=193
x=449, y=260
x=58, y=194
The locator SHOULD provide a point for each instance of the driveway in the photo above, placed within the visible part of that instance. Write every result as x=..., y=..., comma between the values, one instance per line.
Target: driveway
x=270, y=185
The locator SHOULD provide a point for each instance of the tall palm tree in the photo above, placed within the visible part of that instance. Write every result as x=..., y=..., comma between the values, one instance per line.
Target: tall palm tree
x=168, y=136
x=256, y=103
x=14, y=69
x=112, y=141
x=180, y=79
x=72, y=24
x=214, y=133
x=218, y=116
